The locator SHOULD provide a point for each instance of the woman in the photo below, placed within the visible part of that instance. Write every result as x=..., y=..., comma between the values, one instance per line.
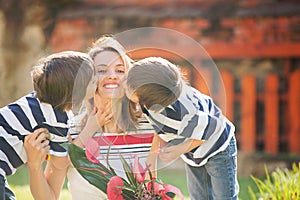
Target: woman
x=111, y=64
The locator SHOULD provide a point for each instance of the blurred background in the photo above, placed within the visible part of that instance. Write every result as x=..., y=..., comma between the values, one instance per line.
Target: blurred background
x=254, y=43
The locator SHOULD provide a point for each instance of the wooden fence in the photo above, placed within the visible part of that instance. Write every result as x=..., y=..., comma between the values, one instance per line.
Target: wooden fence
x=267, y=119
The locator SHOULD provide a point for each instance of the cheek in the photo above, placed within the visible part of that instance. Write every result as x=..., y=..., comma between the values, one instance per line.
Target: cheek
x=96, y=100
x=121, y=76
x=90, y=90
x=100, y=82
x=100, y=78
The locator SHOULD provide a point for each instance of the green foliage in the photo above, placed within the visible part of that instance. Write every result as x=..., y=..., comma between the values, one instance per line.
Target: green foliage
x=19, y=183
x=282, y=184
x=136, y=187
x=95, y=173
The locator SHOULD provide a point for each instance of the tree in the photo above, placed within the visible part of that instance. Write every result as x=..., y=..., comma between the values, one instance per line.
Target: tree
x=25, y=29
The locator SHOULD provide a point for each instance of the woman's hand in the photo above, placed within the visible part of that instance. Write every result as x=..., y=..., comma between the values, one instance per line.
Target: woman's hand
x=104, y=114
x=37, y=147
x=103, y=108
x=96, y=119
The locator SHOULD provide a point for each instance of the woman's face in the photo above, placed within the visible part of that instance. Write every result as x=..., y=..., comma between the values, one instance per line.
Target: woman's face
x=110, y=71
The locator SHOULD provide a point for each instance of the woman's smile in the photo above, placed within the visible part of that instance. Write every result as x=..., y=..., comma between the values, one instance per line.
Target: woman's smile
x=111, y=85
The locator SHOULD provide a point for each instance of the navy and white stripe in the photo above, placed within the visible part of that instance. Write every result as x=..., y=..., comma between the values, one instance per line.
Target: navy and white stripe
x=21, y=118
x=125, y=147
x=194, y=115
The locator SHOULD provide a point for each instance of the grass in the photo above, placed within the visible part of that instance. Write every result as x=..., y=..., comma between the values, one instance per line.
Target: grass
x=23, y=192
x=178, y=180
x=19, y=184
x=280, y=184
x=245, y=183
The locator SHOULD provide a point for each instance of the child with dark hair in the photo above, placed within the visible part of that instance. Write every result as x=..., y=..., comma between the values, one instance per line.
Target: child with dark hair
x=190, y=125
x=41, y=117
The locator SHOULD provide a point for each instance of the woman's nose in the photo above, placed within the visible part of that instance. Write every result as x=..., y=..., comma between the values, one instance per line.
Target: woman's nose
x=112, y=74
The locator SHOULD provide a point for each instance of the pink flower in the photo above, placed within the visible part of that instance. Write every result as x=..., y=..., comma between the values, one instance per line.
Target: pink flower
x=157, y=188
x=162, y=190
x=92, y=150
x=173, y=189
x=138, y=170
x=113, y=191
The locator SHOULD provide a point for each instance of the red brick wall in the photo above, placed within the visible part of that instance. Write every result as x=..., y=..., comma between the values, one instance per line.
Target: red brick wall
x=224, y=35
x=245, y=38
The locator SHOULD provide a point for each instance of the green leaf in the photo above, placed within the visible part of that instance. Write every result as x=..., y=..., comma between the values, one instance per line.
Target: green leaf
x=171, y=194
x=252, y=194
x=283, y=184
x=95, y=173
x=128, y=190
x=65, y=146
x=128, y=172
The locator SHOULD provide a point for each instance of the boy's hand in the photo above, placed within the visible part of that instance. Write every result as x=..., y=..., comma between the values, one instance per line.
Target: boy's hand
x=37, y=147
x=170, y=153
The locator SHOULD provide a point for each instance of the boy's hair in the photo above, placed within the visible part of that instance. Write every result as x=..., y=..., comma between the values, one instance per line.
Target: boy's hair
x=61, y=79
x=156, y=82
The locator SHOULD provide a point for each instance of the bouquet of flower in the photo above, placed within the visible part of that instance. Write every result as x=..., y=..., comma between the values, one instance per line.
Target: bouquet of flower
x=117, y=188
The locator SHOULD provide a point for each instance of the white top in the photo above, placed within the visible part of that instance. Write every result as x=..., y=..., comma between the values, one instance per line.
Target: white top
x=81, y=189
x=128, y=145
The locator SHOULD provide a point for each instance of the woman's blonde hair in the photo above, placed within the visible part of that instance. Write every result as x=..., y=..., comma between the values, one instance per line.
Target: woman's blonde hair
x=109, y=43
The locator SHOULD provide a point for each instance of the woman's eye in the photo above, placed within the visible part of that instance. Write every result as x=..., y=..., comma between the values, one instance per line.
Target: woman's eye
x=121, y=71
x=101, y=71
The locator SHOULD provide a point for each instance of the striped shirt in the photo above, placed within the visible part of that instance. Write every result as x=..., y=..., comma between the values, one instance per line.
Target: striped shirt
x=126, y=145
x=194, y=115
x=21, y=118
x=129, y=145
